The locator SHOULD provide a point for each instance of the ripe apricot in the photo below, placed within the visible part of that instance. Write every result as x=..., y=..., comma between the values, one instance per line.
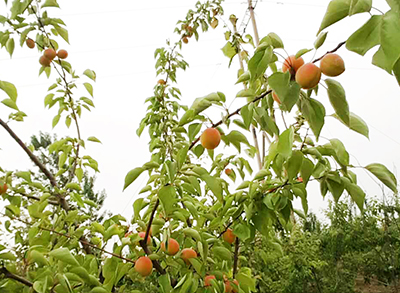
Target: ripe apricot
x=185, y=40
x=207, y=280
x=332, y=65
x=3, y=188
x=188, y=253
x=144, y=266
x=228, y=236
x=292, y=64
x=229, y=288
x=276, y=98
x=142, y=235
x=228, y=171
x=161, y=81
x=210, y=138
x=44, y=61
x=49, y=53
x=173, y=246
x=308, y=75
x=62, y=54
x=30, y=43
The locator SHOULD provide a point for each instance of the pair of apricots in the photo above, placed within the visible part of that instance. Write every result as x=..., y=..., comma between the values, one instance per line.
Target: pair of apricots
x=228, y=284
x=308, y=75
x=48, y=54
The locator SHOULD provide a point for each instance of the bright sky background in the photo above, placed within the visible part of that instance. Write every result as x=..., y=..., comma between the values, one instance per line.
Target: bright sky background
x=118, y=42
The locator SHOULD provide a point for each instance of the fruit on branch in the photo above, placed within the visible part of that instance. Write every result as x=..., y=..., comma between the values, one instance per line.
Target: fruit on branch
x=207, y=280
x=30, y=43
x=185, y=40
x=308, y=75
x=332, y=65
x=229, y=288
x=142, y=235
x=62, y=54
x=144, y=266
x=161, y=81
x=50, y=53
x=44, y=61
x=127, y=234
x=276, y=98
x=210, y=138
x=292, y=64
x=228, y=236
x=172, y=247
x=3, y=188
x=228, y=171
x=299, y=179
x=188, y=253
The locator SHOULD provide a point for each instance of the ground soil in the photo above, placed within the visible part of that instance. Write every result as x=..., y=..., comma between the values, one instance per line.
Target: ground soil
x=374, y=286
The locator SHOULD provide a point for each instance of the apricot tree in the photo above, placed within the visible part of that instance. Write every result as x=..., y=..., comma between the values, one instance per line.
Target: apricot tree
x=189, y=209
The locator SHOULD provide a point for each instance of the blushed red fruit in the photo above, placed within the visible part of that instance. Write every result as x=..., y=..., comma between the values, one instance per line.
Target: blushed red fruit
x=299, y=179
x=229, y=288
x=276, y=98
x=30, y=43
x=210, y=138
x=207, y=280
x=142, y=235
x=228, y=236
x=308, y=75
x=62, y=54
x=332, y=65
x=173, y=246
x=188, y=253
x=50, y=53
x=292, y=64
x=228, y=171
x=144, y=266
x=185, y=40
x=3, y=188
x=44, y=61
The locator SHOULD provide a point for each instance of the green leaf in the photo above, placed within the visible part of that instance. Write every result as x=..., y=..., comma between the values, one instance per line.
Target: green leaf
x=236, y=138
x=38, y=258
x=9, y=89
x=356, y=124
x=244, y=77
x=390, y=38
x=89, y=88
x=7, y=256
x=259, y=62
x=288, y=91
x=314, y=112
x=94, y=139
x=10, y=45
x=56, y=119
x=356, y=193
x=229, y=50
x=285, y=143
x=394, y=4
x=64, y=255
x=396, y=71
x=50, y=3
x=10, y=103
x=337, y=10
x=359, y=6
x=341, y=153
x=247, y=114
x=63, y=32
x=306, y=170
x=275, y=41
x=242, y=231
x=214, y=185
x=90, y=73
x=167, y=196
x=301, y=52
x=222, y=253
x=384, y=175
x=192, y=233
x=320, y=40
x=98, y=290
x=335, y=188
x=337, y=97
x=294, y=164
x=132, y=175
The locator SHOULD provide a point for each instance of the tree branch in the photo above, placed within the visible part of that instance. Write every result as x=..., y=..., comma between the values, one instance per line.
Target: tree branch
x=236, y=257
x=7, y=274
x=332, y=51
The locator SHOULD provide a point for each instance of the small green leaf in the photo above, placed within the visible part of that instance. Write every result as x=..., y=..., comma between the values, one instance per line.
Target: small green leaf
x=359, y=6
x=341, y=153
x=56, y=119
x=356, y=124
x=10, y=103
x=384, y=175
x=167, y=196
x=89, y=88
x=132, y=175
x=10, y=45
x=9, y=89
x=337, y=10
x=94, y=139
x=302, y=52
x=320, y=40
x=337, y=97
x=64, y=255
x=90, y=73
x=50, y=3
x=314, y=112
x=63, y=32
x=285, y=143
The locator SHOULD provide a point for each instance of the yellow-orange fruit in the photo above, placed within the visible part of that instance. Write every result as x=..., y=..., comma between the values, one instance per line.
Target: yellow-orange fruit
x=308, y=75
x=44, y=61
x=228, y=236
x=207, y=280
x=292, y=64
x=161, y=81
x=30, y=43
x=210, y=138
x=144, y=266
x=188, y=253
x=49, y=53
x=3, y=188
x=332, y=65
x=229, y=288
x=228, y=171
x=62, y=54
x=276, y=98
x=142, y=235
x=173, y=246
x=185, y=40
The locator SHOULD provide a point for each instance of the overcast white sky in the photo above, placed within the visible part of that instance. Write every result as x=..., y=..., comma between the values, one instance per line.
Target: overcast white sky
x=118, y=42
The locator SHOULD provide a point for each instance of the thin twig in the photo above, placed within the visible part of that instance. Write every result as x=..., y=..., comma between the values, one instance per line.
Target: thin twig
x=15, y=277
x=236, y=257
x=332, y=51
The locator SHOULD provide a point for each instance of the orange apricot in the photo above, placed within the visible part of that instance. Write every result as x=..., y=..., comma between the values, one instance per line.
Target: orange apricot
x=231, y=289
x=292, y=64
x=30, y=43
x=332, y=65
x=3, y=188
x=228, y=171
x=228, y=236
x=44, y=61
x=207, y=280
x=173, y=246
x=276, y=98
x=161, y=81
x=188, y=253
x=308, y=75
x=142, y=235
x=49, y=53
x=62, y=54
x=144, y=266
x=185, y=40
x=210, y=138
